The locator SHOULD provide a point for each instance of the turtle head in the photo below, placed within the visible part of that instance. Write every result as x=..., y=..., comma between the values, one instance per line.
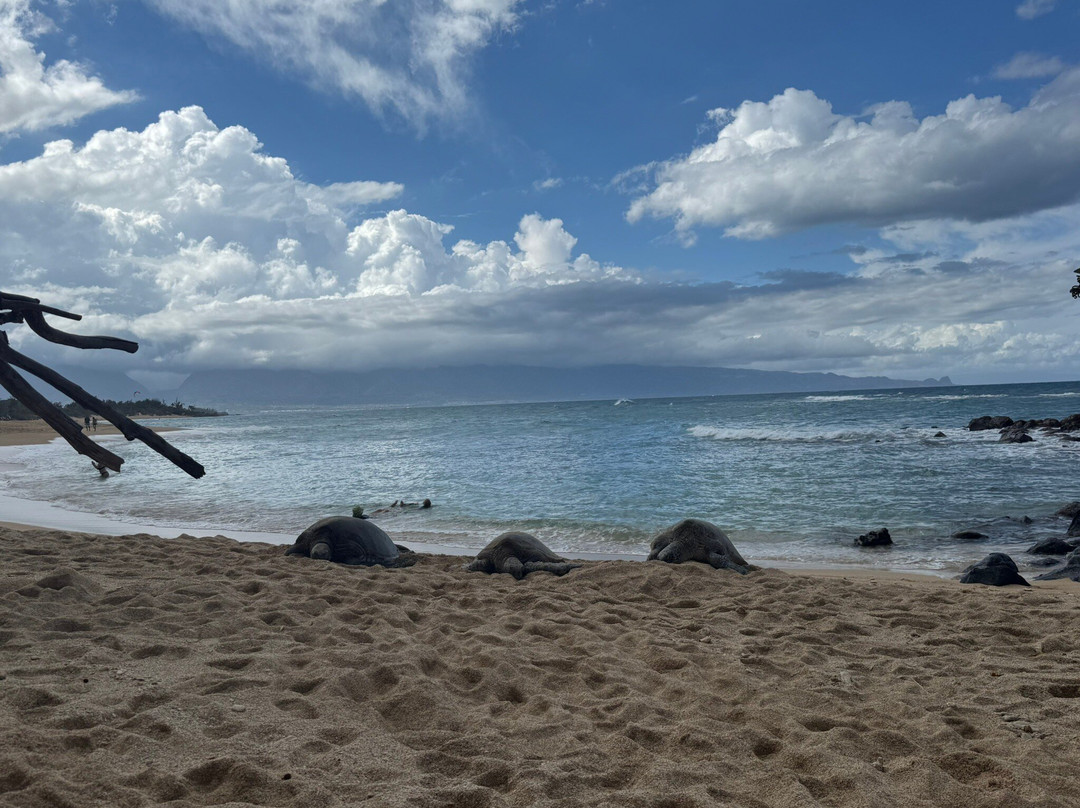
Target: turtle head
x=320, y=550
x=480, y=565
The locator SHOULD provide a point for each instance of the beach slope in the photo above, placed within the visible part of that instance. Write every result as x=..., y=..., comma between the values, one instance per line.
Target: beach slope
x=138, y=671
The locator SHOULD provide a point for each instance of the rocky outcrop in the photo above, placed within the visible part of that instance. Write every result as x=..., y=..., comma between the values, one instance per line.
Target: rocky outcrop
x=1074, y=526
x=1018, y=431
x=1071, y=570
x=1015, y=434
x=969, y=535
x=989, y=422
x=1054, y=546
x=875, y=538
x=1069, y=511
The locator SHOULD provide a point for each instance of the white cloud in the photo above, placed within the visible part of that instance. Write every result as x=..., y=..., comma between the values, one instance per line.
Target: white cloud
x=1028, y=65
x=409, y=56
x=793, y=163
x=548, y=184
x=190, y=239
x=1030, y=9
x=33, y=96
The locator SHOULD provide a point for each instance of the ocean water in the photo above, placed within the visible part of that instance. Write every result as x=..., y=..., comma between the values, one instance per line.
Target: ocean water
x=792, y=478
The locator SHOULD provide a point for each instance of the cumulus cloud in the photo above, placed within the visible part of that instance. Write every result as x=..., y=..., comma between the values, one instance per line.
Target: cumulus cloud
x=1029, y=66
x=793, y=162
x=190, y=239
x=1030, y=9
x=33, y=96
x=409, y=56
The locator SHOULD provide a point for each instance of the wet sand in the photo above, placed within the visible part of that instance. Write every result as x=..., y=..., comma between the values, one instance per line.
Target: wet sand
x=139, y=671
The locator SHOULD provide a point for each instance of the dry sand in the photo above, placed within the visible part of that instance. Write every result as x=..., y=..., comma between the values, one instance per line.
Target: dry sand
x=142, y=671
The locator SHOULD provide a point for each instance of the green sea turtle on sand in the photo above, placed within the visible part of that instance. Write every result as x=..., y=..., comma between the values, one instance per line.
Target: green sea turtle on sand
x=698, y=540
x=348, y=540
x=519, y=554
x=997, y=569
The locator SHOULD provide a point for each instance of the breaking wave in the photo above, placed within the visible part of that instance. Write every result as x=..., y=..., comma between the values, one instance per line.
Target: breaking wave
x=788, y=435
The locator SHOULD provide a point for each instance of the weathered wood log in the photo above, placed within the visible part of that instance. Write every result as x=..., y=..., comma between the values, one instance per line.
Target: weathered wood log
x=130, y=429
x=18, y=303
x=36, y=320
x=15, y=384
x=29, y=310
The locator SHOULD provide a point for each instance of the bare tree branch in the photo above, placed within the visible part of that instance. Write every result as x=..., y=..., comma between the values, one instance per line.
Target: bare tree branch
x=29, y=310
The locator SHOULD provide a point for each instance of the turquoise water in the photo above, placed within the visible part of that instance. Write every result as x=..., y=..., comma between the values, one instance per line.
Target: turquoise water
x=792, y=478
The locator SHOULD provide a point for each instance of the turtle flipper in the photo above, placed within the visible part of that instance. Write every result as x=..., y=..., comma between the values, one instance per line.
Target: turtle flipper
x=722, y=562
x=554, y=567
x=672, y=554
x=658, y=546
x=514, y=566
x=295, y=550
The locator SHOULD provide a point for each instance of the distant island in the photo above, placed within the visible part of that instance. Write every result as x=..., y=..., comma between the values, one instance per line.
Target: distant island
x=479, y=384
x=12, y=410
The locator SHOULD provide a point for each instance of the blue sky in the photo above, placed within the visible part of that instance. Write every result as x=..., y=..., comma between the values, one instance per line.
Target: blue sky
x=862, y=188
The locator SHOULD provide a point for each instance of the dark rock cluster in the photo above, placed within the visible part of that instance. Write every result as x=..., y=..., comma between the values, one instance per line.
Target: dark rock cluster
x=875, y=538
x=1019, y=431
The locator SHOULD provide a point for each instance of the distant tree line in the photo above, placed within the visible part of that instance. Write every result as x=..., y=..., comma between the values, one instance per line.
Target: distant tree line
x=13, y=410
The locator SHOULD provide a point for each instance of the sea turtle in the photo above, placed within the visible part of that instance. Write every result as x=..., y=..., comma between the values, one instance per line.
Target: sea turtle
x=348, y=540
x=519, y=554
x=997, y=569
x=698, y=540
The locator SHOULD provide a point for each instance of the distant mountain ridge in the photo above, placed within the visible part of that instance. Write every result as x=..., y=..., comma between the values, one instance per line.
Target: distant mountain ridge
x=477, y=384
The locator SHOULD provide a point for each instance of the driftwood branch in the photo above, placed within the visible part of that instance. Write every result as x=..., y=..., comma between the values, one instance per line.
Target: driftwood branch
x=29, y=310
x=19, y=388
x=130, y=429
x=36, y=320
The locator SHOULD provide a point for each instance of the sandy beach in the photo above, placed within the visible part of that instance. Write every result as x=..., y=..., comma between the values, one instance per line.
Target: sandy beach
x=26, y=433
x=137, y=670
x=204, y=671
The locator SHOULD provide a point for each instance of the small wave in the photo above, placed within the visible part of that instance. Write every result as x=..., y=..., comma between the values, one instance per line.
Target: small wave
x=786, y=435
x=1059, y=395
x=819, y=399
x=623, y=401
x=959, y=397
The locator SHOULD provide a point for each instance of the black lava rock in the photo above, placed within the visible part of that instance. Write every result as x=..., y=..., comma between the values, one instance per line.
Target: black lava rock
x=875, y=538
x=989, y=422
x=1015, y=434
x=1074, y=526
x=1053, y=546
x=1071, y=570
x=1070, y=510
x=968, y=535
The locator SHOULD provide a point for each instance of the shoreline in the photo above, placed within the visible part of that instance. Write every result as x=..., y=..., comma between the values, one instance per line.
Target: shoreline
x=30, y=515
x=25, y=514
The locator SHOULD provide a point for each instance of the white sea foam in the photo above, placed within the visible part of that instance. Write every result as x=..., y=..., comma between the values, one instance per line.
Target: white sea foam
x=829, y=399
x=962, y=397
x=787, y=435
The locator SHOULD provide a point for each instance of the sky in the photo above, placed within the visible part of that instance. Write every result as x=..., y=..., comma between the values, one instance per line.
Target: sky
x=862, y=188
